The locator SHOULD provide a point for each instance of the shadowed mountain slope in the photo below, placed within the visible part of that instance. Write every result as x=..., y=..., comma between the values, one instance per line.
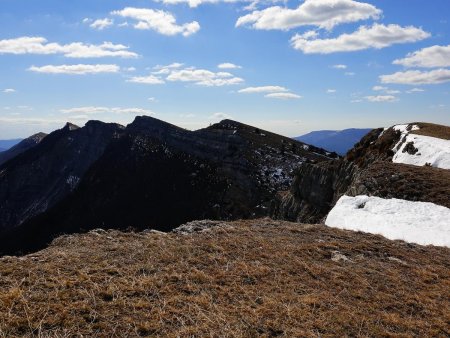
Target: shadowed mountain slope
x=154, y=174
x=21, y=147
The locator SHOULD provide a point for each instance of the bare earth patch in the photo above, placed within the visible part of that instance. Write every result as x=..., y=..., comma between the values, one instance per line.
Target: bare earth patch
x=240, y=279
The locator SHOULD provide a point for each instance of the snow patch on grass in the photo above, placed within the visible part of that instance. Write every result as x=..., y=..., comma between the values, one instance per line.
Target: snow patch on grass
x=421, y=150
x=415, y=222
x=431, y=150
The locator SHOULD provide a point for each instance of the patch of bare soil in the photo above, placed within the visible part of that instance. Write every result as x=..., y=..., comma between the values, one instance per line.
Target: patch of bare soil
x=258, y=278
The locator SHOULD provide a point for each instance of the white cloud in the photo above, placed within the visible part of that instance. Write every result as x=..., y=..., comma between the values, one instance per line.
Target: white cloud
x=350, y=73
x=219, y=116
x=90, y=110
x=40, y=45
x=263, y=89
x=150, y=79
x=321, y=13
x=416, y=77
x=9, y=90
x=381, y=98
x=385, y=90
x=167, y=69
x=152, y=99
x=377, y=36
x=331, y=91
x=157, y=20
x=379, y=88
x=203, y=77
x=101, y=24
x=75, y=69
x=431, y=57
x=339, y=66
x=195, y=3
x=228, y=65
x=283, y=96
x=415, y=90
x=130, y=69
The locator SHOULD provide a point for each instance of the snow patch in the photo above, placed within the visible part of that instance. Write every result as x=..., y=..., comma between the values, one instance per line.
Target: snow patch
x=415, y=222
x=428, y=150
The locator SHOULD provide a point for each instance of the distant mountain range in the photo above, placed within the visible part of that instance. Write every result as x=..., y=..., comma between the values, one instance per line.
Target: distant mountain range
x=339, y=141
x=6, y=144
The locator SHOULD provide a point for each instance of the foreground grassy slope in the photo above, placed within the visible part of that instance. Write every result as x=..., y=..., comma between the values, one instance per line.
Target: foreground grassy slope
x=240, y=279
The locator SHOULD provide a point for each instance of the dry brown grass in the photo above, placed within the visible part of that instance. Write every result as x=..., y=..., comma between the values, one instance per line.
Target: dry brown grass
x=250, y=279
x=433, y=130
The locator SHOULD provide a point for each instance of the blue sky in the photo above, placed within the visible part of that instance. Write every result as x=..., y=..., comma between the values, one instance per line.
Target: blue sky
x=290, y=67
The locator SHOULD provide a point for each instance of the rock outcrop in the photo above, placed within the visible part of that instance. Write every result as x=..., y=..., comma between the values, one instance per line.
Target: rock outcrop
x=367, y=169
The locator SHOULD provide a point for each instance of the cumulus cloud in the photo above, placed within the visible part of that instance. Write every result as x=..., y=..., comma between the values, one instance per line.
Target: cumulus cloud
x=90, y=110
x=331, y=91
x=75, y=69
x=101, y=24
x=381, y=98
x=203, y=77
x=263, y=89
x=416, y=77
x=377, y=36
x=40, y=45
x=430, y=57
x=158, y=20
x=9, y=90
x=175, y=72
x=283, y=96
x=228, y=65
x=321, y=13
x=150, y=79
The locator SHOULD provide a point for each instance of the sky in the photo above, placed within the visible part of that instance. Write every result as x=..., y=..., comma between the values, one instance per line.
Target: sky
x=290, y=67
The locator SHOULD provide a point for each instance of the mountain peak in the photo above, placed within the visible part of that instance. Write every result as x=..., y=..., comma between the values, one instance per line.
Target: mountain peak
x=70, y=126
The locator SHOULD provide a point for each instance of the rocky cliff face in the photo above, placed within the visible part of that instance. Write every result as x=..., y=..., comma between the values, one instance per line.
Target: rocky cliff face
x=367, y=169
x=38, y=178
x=149, y=174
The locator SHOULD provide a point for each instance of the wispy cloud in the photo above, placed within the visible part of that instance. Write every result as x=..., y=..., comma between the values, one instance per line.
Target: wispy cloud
x=263, y=89
x=283, y=96
x=75, y=69
x=90, y=110
x=8, y=90
x=101, y=24
x=381, y=98
x=228, y=65
x=40, y=45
